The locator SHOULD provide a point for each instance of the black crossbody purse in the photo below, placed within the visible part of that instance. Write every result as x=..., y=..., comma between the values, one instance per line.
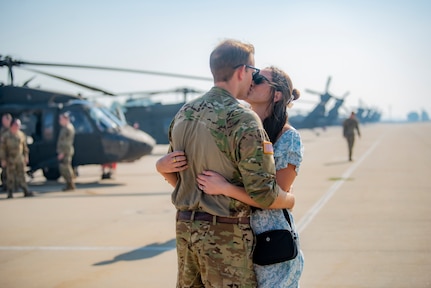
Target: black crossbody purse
x=276, y=246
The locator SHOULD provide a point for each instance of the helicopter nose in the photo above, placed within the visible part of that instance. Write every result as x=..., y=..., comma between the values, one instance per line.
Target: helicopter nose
x=137, y=149
x=140, y=144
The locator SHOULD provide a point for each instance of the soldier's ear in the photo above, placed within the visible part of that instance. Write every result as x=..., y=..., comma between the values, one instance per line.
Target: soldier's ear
x=239, y=73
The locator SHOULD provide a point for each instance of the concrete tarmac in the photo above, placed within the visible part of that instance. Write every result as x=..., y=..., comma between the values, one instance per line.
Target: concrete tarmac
x=365, y=223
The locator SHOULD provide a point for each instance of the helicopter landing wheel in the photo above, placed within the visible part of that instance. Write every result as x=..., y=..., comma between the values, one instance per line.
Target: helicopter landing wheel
x=51, y=173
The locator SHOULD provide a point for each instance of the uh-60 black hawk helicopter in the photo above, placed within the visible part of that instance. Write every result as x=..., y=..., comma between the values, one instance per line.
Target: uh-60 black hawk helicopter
x=318, y=117
x=101, y=137
x=153, y=117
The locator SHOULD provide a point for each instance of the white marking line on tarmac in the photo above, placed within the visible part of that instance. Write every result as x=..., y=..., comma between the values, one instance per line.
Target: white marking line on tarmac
x=83, y=248
x=309, y=216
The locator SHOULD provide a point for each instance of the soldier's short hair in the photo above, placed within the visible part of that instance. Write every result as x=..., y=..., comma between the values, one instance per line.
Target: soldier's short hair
x=7, y=116
x=228, y=56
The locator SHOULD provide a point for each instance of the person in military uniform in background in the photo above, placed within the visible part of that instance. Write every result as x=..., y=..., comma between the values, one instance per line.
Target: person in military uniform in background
x=349, y=126
x=14, y=155
x=65, y=151
x=5, y=121
x=108, y=170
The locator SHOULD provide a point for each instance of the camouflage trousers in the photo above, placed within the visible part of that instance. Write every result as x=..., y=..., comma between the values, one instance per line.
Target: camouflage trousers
x=15, y=175
x=214, y=255
x=66, y=170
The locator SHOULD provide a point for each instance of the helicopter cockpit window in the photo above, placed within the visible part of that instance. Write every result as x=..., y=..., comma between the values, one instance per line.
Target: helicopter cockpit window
x=117, y=115
x=103, y=119
x=31, y=126
x=48, y=126
x=80, y=122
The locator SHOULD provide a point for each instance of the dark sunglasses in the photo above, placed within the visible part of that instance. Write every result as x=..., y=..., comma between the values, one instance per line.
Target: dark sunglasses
x=255, y=72
x=259, y=79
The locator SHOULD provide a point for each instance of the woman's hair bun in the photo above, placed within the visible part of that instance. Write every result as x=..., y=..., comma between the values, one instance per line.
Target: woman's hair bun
x=296, y=94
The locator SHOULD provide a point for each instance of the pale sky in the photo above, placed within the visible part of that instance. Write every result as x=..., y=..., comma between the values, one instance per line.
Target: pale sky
x=379, y=51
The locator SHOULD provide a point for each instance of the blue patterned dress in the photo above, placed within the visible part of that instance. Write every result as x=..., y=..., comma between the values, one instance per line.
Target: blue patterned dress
x=287, y=149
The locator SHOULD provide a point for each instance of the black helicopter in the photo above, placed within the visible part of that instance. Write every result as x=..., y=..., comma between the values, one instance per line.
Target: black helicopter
x=333, y=117
x=318, y=117
x=100, y=138
x=154, y=117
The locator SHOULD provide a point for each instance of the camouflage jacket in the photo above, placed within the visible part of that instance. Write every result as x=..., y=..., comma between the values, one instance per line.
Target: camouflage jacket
x=3, y=131
x=218, y=133
x=65, y=140
x=13, y=146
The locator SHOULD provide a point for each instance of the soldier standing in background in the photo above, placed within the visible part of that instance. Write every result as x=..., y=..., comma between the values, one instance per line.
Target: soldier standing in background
x=65, y=151
x=14, y=155
x=349, y=126
x=5, y=121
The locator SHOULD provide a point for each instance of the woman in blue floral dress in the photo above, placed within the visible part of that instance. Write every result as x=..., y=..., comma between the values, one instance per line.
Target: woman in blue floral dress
x=284, y=274
x=269, y=97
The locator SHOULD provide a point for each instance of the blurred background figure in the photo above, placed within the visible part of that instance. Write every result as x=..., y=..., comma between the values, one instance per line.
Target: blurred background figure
x=349, y=126
x=14, y=154
x=5, y=124
x=108, y=170
x=65, y=151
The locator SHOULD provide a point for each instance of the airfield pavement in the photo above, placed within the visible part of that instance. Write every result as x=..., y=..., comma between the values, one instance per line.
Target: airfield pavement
x=365, y=223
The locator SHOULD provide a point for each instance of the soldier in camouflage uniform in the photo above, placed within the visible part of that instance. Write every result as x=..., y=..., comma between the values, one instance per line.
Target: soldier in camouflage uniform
x=6, y=120
x=14, y=155
x=216, y=132
x=349, y=126
x=65, y=151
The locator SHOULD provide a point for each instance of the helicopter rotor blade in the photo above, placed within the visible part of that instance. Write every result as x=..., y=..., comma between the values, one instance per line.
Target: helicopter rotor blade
x=28, y=81
x=340, y=98
x=184, y=90
x=141, y=93
x=170, y=91
x=116, y=69
x=147, y=93
x=312, y=92
x=70, y=81
x=327, y=84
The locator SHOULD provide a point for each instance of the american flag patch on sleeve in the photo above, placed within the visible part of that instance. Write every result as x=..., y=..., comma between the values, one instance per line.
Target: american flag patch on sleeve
x=267, y=147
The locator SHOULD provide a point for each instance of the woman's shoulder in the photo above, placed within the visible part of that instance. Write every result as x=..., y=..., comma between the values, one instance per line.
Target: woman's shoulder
x=288, y=149
x=289, y=135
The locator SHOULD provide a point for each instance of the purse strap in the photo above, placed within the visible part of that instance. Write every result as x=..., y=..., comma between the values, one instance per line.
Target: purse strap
x=286, y=215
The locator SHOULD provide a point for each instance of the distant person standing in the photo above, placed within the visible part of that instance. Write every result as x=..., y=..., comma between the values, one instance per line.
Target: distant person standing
x=65, y=151
x=5, y=121
x=14, y=154
x=349, y=126
x=108, y=170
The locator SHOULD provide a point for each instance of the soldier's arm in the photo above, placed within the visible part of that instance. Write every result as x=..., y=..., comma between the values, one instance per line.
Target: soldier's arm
x=257, y=168
x=60, y=146
x=25, y=146
x=59, y=141
x=3, y=147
